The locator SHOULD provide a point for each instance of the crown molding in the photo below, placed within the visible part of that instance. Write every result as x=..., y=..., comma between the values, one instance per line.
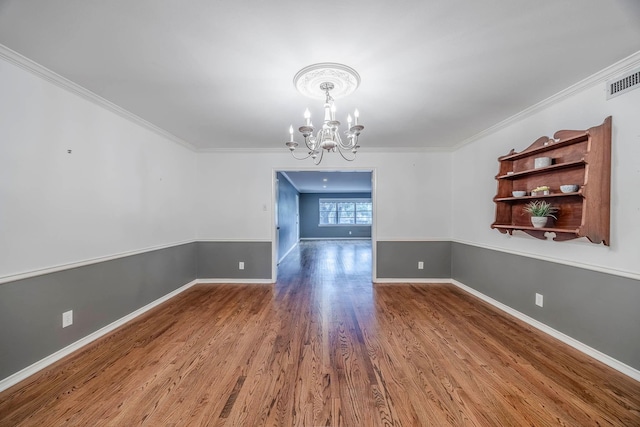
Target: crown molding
x=242, y=150
x=362, y=151
x=392, y=150
x=44, y=73
x=620, y=67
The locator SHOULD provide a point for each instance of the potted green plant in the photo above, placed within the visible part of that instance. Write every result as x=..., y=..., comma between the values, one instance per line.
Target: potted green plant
x=540, y=211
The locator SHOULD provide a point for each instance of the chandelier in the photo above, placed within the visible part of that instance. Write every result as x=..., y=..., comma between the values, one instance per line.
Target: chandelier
x=320, y=81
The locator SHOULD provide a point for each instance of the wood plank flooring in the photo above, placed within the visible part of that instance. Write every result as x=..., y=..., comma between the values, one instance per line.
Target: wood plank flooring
x=325, y=347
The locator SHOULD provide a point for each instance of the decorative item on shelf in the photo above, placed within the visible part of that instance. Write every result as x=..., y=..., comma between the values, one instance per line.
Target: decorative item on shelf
x=543, y=190
x=569, y=188
x=327, y=81
x=540, y=211
x=541, y=162
x=518, y=193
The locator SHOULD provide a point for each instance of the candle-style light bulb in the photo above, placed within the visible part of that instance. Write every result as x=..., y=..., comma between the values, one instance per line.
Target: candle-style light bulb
x=291, y=133
x=349, y=120
x=356, y=114
x=307, y=116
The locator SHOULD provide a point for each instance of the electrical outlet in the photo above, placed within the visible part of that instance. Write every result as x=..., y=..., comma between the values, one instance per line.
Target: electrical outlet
x=420, y=265
x=241, y=265
x=539, y=300
x=67, y=318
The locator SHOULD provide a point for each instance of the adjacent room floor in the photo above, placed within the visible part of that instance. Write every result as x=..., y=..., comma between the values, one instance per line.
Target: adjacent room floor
x=324, y=347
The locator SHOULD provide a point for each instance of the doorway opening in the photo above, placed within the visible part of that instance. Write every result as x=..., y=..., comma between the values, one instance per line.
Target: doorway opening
x=322, y=204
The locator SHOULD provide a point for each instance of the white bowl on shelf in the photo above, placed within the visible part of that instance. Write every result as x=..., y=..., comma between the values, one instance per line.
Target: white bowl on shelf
x=519, y=193
x=569, y=188
x=541, y=162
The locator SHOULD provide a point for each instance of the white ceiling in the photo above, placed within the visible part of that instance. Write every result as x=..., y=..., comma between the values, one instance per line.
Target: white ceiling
x=219, y=74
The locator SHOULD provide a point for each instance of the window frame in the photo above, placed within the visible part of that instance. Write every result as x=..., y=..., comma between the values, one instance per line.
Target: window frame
x=355, y=201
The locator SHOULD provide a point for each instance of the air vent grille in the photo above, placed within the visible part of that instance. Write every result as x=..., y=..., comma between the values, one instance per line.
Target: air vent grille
x=623, y=84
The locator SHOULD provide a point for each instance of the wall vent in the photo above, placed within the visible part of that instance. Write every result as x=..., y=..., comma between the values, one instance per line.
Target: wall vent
x=623, y=84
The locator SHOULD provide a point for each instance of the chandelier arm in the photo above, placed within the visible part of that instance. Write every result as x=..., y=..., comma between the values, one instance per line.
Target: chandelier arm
x=317, y=160
x=354, y=141
x=348, y=146
x=301, y=158
x=345, y=157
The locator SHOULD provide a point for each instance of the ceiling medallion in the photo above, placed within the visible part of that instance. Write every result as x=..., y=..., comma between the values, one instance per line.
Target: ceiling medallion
x=327, y=81
x=345, y=80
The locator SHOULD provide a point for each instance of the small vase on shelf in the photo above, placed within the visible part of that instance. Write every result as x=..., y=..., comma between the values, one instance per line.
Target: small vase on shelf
x=539, y=221
x=540, y=212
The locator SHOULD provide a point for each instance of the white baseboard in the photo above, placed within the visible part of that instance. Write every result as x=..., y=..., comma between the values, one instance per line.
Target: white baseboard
x=589, y=351
x=235, y=281
x=41, y=364
x=410, y=280
x=335, y=238
x=34, y=368
x=288, y=252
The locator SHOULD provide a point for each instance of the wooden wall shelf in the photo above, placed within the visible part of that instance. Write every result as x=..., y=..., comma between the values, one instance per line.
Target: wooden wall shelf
x=546, y=145
x=544, y=196
x=581, y=158
x=514, y=175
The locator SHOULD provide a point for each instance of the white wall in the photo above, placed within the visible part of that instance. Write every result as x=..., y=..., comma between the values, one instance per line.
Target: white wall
x=475, y=166
x=413, y=196
x=123, y=188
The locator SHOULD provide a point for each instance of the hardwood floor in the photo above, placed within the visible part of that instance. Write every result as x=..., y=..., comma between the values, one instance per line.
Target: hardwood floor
x=325, y=347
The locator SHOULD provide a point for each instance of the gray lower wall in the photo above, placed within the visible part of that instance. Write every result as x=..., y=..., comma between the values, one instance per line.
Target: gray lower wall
x=219, y=260
x=99, y=294
x=399, y=260
x=598, y=309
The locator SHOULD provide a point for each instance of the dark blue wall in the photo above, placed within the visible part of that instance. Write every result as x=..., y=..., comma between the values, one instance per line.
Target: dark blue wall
x=287, y=237
x=310, y=217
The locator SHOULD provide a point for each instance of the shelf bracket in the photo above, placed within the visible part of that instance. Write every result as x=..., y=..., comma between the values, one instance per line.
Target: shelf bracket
x=538, y=234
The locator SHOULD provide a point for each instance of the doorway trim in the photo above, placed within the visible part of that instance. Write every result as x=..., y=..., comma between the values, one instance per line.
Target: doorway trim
x=274, y=219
